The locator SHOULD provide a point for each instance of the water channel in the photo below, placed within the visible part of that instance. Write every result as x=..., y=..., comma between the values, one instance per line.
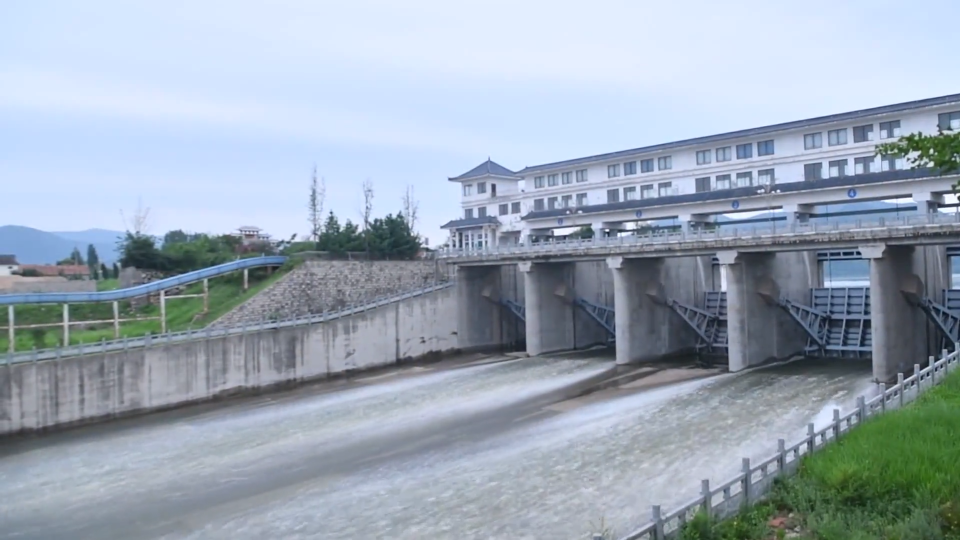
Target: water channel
x=489, y=450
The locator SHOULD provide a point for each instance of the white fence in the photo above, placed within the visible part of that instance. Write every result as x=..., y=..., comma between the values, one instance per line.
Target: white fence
x=207, y=333
x=751, y=485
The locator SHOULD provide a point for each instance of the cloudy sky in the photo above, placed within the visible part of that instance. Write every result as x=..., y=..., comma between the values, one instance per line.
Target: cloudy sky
x=213, y=113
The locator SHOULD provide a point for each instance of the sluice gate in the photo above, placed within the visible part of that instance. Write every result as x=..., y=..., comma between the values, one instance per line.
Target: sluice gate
x=837, y=321
x=605, y=316
x=709, y=321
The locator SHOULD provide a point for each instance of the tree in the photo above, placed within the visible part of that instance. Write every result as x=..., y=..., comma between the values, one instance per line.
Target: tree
x=139, y=222
x=410, y=208
x=940, y=152
x=140, y=251
x=318, y=194
x=105, y=272
x=93, y=260
x=75, y=258
x=367, y=210
x=115, y=271
x=175, y=237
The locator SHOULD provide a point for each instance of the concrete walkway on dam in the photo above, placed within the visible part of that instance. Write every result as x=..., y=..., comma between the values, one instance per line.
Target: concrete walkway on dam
x=474, y=447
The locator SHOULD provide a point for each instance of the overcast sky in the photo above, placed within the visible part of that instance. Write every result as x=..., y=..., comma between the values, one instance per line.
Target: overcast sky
x=214, y=112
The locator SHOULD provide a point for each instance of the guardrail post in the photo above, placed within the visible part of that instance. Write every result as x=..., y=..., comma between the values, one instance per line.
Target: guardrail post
x=657, y=523
x=11, y=329
x=862, y=408
x=883, y=398
x=103, y=345
x=900, y=384
x=781, y=456
x=707, y=497
x=747, y=481
x=916, y=375
x=811, y=438
x=836, y=424
x=9, y=358
x=932, y=361
x=147, y=338
x=34, y=354
x=80, y=347
x=58, y=352
x=126, y=344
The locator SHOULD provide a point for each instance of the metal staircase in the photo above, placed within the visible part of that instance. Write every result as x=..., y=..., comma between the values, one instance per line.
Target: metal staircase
x=517, y=309
x=837, y=322
x=604, y=316
x=945, y=315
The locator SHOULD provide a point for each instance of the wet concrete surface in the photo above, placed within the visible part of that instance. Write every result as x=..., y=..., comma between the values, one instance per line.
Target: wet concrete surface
x=473, y=448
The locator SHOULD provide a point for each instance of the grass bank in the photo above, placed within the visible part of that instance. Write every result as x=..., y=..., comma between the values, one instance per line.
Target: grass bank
x=226, y=293
x=895, y=477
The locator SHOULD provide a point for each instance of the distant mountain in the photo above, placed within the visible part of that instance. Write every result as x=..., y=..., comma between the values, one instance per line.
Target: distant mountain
x=33, y=246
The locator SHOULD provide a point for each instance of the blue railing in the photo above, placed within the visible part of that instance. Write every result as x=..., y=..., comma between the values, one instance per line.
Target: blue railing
x=141, y=290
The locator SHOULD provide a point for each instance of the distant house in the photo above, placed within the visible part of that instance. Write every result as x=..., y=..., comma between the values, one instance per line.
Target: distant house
x=8, y=265
x=252, y=235
x=70, y=271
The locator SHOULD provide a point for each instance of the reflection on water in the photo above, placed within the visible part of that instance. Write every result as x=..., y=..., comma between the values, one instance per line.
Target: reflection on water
x=546, y=478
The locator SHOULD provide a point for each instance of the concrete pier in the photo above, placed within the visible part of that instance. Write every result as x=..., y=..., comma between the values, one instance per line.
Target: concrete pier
x=758, y=329
x=479, y=316
x=548, y=290
x=899, y=339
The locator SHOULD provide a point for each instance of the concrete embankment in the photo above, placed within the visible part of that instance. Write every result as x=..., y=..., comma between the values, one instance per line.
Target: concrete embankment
x=57, y=393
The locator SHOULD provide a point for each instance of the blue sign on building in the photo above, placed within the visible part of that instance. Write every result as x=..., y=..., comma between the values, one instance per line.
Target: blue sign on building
x=852, y=193
x=735, y=205
x=639, y=214
x=560, y=221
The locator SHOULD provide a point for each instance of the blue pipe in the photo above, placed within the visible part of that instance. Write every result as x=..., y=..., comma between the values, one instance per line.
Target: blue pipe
x=141, y=290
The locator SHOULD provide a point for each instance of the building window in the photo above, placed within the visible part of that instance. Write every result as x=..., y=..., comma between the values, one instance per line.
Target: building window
x=836, y=137
x=482, y=212
x=515, y=207
x=481, y=187
x=766, y=177
x=629, y=168
x=723, y=181
x=863, y=165
x=613, y=171
x=581, y=199
x=703, y=157
x=765, y=148
x=665, y=189
x=813, y=171
x=646, y=165
x=566, y=201
x=552, y=203
x=538, y=182
x=467, y=190
x=889, y=130
x=702, y=184
x=744, y=179
x=566, y=178
x=468, y=213
x=949, y=121
x=812, y=141
x=552, y=180
x=537, y=205
x=582, y=175
x=665, y=163
x=891, y=163
x=646, y=192
x=723, y=154
x=863, y=133
x=630, y=193
x=744, y=151
x=837, y=168
x=613, y=195
x=504, y=209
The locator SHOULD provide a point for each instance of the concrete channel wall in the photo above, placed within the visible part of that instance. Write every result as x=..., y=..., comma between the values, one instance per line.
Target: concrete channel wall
x=54, y=393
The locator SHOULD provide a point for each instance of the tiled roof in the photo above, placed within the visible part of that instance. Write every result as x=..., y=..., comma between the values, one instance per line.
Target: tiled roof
x=753, y=132
x=8, y=260
x=56, y=270
x=487, y=168
x=470, y=222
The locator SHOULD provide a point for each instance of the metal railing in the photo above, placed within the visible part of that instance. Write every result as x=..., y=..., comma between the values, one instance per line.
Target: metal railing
x=145, y=289
x=756, y=479
x=206, y=333
x=784, y=231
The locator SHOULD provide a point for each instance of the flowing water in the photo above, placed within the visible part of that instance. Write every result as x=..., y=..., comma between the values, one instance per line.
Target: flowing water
x=480, y=451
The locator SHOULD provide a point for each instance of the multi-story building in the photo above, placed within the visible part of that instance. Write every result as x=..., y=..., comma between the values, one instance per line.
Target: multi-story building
x=792, y=166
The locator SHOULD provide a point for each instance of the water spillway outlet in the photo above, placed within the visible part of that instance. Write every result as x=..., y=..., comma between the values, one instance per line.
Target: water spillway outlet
x=912, y=288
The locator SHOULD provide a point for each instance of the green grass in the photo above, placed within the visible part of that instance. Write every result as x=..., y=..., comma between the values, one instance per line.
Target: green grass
x=895, y=477
x=182, y=314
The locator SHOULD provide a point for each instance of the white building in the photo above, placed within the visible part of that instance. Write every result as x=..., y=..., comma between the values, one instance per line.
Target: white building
x=791, y=166
x=251, y=235
x=8, y=265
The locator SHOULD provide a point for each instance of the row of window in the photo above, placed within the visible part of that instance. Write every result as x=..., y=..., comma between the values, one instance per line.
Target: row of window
x=811, y=141
x=481, y=189
x=861, y=165
x=503, y=210
x=741, y=179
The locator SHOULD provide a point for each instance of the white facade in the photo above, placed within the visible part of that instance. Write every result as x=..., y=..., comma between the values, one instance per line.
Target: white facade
x=8, y=265
x=828, y=147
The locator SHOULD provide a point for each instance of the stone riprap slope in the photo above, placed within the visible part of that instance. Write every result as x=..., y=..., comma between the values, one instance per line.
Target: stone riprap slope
x=318, y=286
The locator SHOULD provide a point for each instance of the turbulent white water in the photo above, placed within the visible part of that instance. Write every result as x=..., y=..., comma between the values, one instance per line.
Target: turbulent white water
x=296, y=467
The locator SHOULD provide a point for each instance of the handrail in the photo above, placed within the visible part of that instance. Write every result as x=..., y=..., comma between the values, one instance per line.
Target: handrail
x=891, y=227
x=756, y=479
x=142, y=290
x=208, y=332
